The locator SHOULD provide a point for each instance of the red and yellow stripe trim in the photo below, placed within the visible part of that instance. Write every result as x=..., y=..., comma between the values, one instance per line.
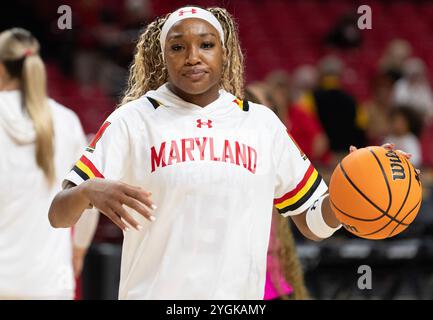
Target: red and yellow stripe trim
x=86, y=170
x=97, y=136
x=242, y=104
x=295, y=198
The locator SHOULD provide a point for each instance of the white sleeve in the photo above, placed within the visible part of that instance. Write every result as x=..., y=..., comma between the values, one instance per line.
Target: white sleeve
x=106, y=156
x=298, y=184
x=85, y=228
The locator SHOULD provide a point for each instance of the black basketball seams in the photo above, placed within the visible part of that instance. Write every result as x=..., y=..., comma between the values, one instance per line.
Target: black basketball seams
x=384, y=213
x=402, y=205
x=386, y=179
x=355, y=218
x=398, y=224
x=405, y=198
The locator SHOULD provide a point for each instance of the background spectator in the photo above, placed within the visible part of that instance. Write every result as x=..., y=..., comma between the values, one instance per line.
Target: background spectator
x=345, y=34
x=378, y=109
x=396, y=53
x=336, y=109
x=279, y=88
x=414, y=89
x=406, y=125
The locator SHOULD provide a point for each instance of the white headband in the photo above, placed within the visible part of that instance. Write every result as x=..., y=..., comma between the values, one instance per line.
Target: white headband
x=185, y=13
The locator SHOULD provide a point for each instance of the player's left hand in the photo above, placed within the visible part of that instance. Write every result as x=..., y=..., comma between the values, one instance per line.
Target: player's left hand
x=391, y=147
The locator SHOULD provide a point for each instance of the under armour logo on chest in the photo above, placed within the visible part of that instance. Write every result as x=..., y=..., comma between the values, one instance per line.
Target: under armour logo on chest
x=201, y=123
x=181, y=12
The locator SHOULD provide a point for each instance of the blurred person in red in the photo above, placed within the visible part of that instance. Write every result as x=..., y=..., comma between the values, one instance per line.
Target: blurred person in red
x=302, y=120
x=299, y=116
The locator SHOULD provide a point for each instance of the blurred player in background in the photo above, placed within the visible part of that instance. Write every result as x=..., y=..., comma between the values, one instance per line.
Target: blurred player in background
x=40, y=140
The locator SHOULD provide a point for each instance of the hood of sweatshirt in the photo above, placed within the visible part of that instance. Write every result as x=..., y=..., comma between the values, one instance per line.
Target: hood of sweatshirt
x=14, y=120
x=166, y=97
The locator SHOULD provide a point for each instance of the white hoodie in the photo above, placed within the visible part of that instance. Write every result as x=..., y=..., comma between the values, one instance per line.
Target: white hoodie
x=214, y=173
x=35, y=259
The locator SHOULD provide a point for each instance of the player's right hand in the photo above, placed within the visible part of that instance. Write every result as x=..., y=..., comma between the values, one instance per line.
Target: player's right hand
x=110, y=196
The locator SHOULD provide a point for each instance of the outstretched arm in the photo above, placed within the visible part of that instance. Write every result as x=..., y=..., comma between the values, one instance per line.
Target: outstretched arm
x=107, y=196
x=319, y=221
x=68, y=205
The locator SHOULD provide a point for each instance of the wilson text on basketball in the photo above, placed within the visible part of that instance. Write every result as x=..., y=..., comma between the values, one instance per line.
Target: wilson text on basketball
x=396, y=165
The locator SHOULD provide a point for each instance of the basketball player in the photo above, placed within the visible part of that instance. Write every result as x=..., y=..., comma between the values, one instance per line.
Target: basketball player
x=190, y=171
x=40, y=140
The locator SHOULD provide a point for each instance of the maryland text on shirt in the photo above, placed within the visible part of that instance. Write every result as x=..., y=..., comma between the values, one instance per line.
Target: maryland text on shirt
x=203, y=148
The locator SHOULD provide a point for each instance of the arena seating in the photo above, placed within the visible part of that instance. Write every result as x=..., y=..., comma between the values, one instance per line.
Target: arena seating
x=282, y=34
x=91, y=104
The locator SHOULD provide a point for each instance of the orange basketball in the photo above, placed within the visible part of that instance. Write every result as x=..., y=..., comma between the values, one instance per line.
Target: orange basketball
x=375, y=193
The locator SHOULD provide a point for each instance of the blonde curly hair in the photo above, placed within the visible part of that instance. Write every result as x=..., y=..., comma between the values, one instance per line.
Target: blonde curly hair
x=148, y=71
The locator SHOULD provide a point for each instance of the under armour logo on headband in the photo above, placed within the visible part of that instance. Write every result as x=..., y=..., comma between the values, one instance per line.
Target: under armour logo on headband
x=186, y=13
x=181, y=12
